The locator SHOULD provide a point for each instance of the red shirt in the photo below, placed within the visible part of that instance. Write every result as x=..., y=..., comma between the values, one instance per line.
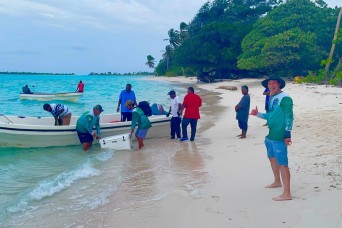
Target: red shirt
x=192, y=102
x=80, y=87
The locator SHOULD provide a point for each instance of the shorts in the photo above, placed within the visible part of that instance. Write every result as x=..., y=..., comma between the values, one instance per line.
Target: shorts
x=141, y=133
x=85, y=137
x=277, y=150
x=242, y=125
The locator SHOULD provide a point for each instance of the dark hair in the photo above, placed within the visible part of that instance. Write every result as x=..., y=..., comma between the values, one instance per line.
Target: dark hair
x=145, y=106
x=244, y=87
x=191, y=89
x=46, y=107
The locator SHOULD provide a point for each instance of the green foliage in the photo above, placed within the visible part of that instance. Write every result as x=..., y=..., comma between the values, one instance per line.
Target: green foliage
x=337, y=80
x=161, y=68
x=318, y=77
x=150, y=61
x=215, y=35
x=289, y=40
x=313, y=77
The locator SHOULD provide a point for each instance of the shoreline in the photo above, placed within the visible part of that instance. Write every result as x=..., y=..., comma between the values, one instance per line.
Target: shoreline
x=239, y=169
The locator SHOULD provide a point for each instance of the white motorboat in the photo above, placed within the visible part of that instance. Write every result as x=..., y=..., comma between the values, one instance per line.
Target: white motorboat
x=16, y=131
x=69, y=96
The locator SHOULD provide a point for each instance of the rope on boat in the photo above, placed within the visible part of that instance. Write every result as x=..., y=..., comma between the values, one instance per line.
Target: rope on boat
x=6, y=117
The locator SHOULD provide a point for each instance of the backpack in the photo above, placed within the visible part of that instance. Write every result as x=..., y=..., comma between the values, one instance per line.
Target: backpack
x=145, y=106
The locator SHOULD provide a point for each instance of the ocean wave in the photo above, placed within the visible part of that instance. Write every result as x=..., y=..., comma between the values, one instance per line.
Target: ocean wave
x=58, y=184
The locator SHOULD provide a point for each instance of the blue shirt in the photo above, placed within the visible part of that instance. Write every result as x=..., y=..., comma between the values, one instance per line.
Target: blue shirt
x=125, y=96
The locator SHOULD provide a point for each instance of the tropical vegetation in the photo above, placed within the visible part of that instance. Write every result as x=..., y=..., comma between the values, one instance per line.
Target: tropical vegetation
x=253, y=38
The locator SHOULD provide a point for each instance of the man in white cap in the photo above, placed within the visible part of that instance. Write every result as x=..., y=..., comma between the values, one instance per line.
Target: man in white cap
x=176, y=118
x=279, y=120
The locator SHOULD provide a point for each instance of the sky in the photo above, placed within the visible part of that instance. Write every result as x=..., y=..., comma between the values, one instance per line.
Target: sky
x=83, y=36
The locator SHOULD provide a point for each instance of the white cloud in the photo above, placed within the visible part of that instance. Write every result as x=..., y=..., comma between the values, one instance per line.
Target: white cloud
x=97, y=33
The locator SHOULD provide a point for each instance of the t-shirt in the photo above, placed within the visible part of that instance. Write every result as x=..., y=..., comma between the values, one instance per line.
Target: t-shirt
x=175, y=106
x=243, y=113
x=280, y=117
x=192, y=102
x=125, y=96
x=80, y=87
x=139, y=118
x=87, y=121
x=57, y=108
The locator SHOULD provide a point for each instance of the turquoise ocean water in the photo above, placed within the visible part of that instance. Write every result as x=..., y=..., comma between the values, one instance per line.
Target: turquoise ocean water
x=59, y=186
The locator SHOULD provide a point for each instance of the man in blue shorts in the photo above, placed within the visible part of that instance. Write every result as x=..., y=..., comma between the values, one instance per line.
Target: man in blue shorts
x=279, y=120
x=125, y=95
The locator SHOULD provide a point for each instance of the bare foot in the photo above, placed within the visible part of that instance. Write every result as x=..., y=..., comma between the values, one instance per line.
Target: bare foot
x=274, y=185
x=282, y=197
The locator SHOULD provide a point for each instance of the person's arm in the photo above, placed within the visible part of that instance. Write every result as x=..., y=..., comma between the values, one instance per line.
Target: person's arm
x=255, y=112
x=119, y=103
x=243, y=104
x=135, y=119
x=134, y=100
x=168, y=114
x=287, y=105
x=98, y=129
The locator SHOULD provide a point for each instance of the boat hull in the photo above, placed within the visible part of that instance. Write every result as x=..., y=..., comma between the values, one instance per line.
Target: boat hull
x=40, y=132
x=51, y=96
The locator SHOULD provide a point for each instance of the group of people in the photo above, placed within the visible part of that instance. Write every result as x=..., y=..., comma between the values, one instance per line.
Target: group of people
x=279, y=116
x=136, y=113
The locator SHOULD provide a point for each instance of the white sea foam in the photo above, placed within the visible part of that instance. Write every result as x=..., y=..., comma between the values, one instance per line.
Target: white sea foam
x=49, y=188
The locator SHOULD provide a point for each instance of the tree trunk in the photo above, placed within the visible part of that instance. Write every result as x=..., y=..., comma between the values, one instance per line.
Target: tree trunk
x=326, y=70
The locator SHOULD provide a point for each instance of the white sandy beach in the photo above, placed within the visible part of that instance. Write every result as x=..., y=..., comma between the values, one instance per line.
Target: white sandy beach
x=239, y=169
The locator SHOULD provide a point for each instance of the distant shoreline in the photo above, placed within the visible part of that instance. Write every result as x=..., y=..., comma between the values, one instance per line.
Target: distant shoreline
x=34, y=73
x=92, y=73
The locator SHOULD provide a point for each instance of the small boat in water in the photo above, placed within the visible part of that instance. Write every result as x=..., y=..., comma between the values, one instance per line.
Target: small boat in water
x=24, y=132
x=68, y=96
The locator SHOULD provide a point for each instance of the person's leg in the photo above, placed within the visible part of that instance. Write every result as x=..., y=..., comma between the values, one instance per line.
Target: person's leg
x=185, y=123
x=87, y=145
x=239, y=123
x=129, y=116
x=285, y=177
x=173, y=130
x=123, y=117
x=276, y=173
x=177, y=127
x=66, y=119
x=140, y=142
x=244, y=129
x=282, y=162
x=193, y=124
x=275, y=168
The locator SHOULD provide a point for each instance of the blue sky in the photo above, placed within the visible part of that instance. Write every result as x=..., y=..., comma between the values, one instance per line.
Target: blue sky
x=83, y=36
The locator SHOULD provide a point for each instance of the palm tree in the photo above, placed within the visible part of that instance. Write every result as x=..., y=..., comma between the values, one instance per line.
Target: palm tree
x=183, y=34
x=167, y=56
x=326, y=70
x=150, y=61
x=174, y=38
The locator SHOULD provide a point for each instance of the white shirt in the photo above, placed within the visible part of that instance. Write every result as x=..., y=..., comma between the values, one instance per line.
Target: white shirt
x=174, y=106
x=56, y=109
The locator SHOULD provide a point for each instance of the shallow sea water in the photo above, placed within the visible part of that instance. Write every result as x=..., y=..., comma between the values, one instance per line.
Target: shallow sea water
x=66, y=187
